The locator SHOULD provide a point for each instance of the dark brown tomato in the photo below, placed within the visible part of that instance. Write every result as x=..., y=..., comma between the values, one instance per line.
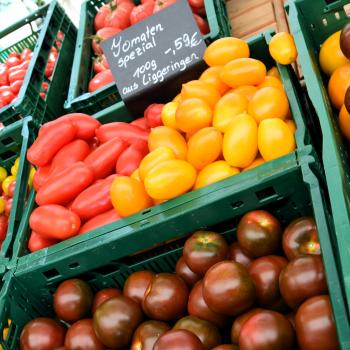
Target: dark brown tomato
x=300, y=238
x=239, y=322
x=228, y=288
x=291, y=318
x=226, y=347
x=345, y=40
x=238, y=254
x=303, y=278
x=147, y=334
x=103, y=295
x=315, y=325
x=259, y=233
x=72, y=300
x=115, y=321
x=265, y=272
x=206, y=331
x=42, y=334
x=136, y=285
x=182, y=269
x=178, y=339
x=203, y=250
x=347, y=99
x=166, y=297
x=198, y=307
x=266, y=330
x=81, y=336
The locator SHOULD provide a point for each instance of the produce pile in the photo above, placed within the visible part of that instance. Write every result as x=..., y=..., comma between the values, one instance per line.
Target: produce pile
x=267, y=290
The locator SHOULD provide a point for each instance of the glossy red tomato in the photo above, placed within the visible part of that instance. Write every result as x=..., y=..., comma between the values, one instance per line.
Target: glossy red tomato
x=100, y=80
x=203, y=250
x=100, y=17
x=11, y=189
x=3, y=226
x=137, y=284
x=26, y=54
x=3, y=75
x=153, y=113
x=100, y=220
x=6, y=94
x=101, y=35
x=182, y=269
x=38, y=242
x=166, y=297
x=17, y=74
x=120, y=15
x=238, y=254
x=13, y=61
x=72, y=300
x=178, y=340
x=103, y=295
x=141, y=12
x=84, y=124
x=42, y=334
x=8, y=206
x=141, y=122
x=202, y=24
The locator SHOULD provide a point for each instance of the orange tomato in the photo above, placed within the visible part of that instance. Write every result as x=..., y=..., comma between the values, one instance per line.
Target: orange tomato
x=168, y=114
x=246, y=90
x=240, y=144
x=272, y=82
x=168, y=137
x=268, y=102
x=177, y=98
x=243, y=71
x=136, y=174
x=338, y=84
x=170, y=179
x=273, y=72
x=225, y=50
x=275, y=139
x=282, y=48
x=212, y=76
x=193, y=114
x=344, y=122
x=204, y=147
x=257, y=161
x=214, y=172
x=129, y=196
x=228, y=107
x=291, y=125
x=159, y=201
x=200, y=89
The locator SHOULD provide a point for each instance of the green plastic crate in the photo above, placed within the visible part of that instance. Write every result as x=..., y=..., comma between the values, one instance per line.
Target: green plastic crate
x=29, y=101
x=311, y=23
x=79, y=99
x=294, y=193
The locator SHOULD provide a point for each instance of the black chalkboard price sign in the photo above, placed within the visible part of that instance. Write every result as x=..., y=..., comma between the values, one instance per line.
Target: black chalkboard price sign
x=151, y=59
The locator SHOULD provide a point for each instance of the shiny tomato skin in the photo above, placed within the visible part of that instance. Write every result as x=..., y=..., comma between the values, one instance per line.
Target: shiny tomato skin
x=303, y=278
x=81, y=336
x=202, y=24
x=38, y=242
x=3, y=75
x=8, y=206
x=100, y=220
x=101, y=35
x=141, y=12
x=103, y=295
x=165, y=298
x=100, y=80
x=141, y=122
x=136, y=285
x=120, y=15
x=84, y=124
x=72, y=300
x=182, y=269
x=153, y=113
x=3, y=226
x=259, y=233
x=41, y=175
x=16, y=86
x=17, y=74
x=25, y=54
x=203, y=250
x=238, y=254
x=13, y=61
x=315, y=325
x=100, y=17
x=178, y=340
x=42, y=334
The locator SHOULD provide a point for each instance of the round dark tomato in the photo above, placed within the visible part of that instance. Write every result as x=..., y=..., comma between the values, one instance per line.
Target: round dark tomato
x=291, y=319
x=315, y=325
x=103, y=295
x=266, y=330
x=178, y=340
x=346, y=100
x=259, y=233
x=115, y=321
x=166, y=297
x=42, y=334
x=72, y=300
x=303, y=278
x=265, y=272
x=203, y=250
x=238, y=254
x=81, y=336
x=182, y=269
x=136, y=285
x=300, y=238
x=226, y=347
x=198, y=307
x=228, y=288
x=206, y=332
x=345, y=40
x=147, y=334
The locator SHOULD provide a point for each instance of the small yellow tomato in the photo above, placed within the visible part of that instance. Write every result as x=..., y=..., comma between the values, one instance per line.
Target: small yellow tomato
x=212, y=76
x=14, y=170
x=200, y=89
x=214, y=172
x=258, y=161
x=177, y=98
x=17, y=162
x=129, y=196
x=282, y=48
x=2, y=205
x=3, y=174
x=164, y=136
x=272, y=82
x=136, y=174
x=204, y=147
x=224, y=50
x=240, y=145
x=168, y=114
x=246, y=90
x=153, y=158
x=228, y=107
x=170, y=179
x=6, y=183
x=273, y=72
x=275, y=139
x=291, y=125
x=31, y=176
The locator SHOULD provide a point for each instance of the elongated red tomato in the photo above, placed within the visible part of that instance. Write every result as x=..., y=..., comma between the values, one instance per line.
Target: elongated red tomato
x=16, y=86
x=153, y=115
x=131, y=158
x=41, y=175
x=141, y=122
x=13, y=60
x=100, y=220
x=54, y=221
x=38, y=242
x=104, y=158
x=100, y=80
x=85, y=125
x=3, y=75
x=65, y=185
x=127, y=132
x=7, y=95
x=23, y=65
x=18, y=74
x=94, y=200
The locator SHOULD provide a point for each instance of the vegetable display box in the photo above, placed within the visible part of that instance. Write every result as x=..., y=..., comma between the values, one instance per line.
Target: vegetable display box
x=311, y=24
x=79, y=99
x=31, y=98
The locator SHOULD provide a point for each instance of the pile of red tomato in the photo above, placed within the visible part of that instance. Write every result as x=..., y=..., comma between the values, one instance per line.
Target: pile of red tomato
x=267, y=290
x=118, y=15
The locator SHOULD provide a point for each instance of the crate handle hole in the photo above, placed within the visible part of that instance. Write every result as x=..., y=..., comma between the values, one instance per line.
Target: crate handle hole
x=347, y=9
x=266, y=193
x=50, y=274
x=146, y=211
x=324, y=21
x=237, y=204
x=7, y=141
x=337, y=15
x=312, y=26
x=74, y=265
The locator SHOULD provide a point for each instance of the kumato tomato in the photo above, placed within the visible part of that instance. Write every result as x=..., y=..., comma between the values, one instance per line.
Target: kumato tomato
x=202, y=90
x=271, y=81
x=247, y=91
x=282, y=48
x=344, y=40
x=238, y=254
x=224, y=50
x=103, y=295
x=136, y=285
x=338, y=84
x=168, y=114
x=344, y=121
x=182, y=270
x=256, y=162
x=347, y=99
x=178, y=340
x=212, y=76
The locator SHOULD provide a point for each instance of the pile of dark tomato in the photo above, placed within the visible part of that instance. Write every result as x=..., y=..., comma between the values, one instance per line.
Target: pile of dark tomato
x=267, y=290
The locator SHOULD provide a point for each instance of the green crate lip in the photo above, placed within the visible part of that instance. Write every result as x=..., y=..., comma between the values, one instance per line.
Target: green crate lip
x=218, y=27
